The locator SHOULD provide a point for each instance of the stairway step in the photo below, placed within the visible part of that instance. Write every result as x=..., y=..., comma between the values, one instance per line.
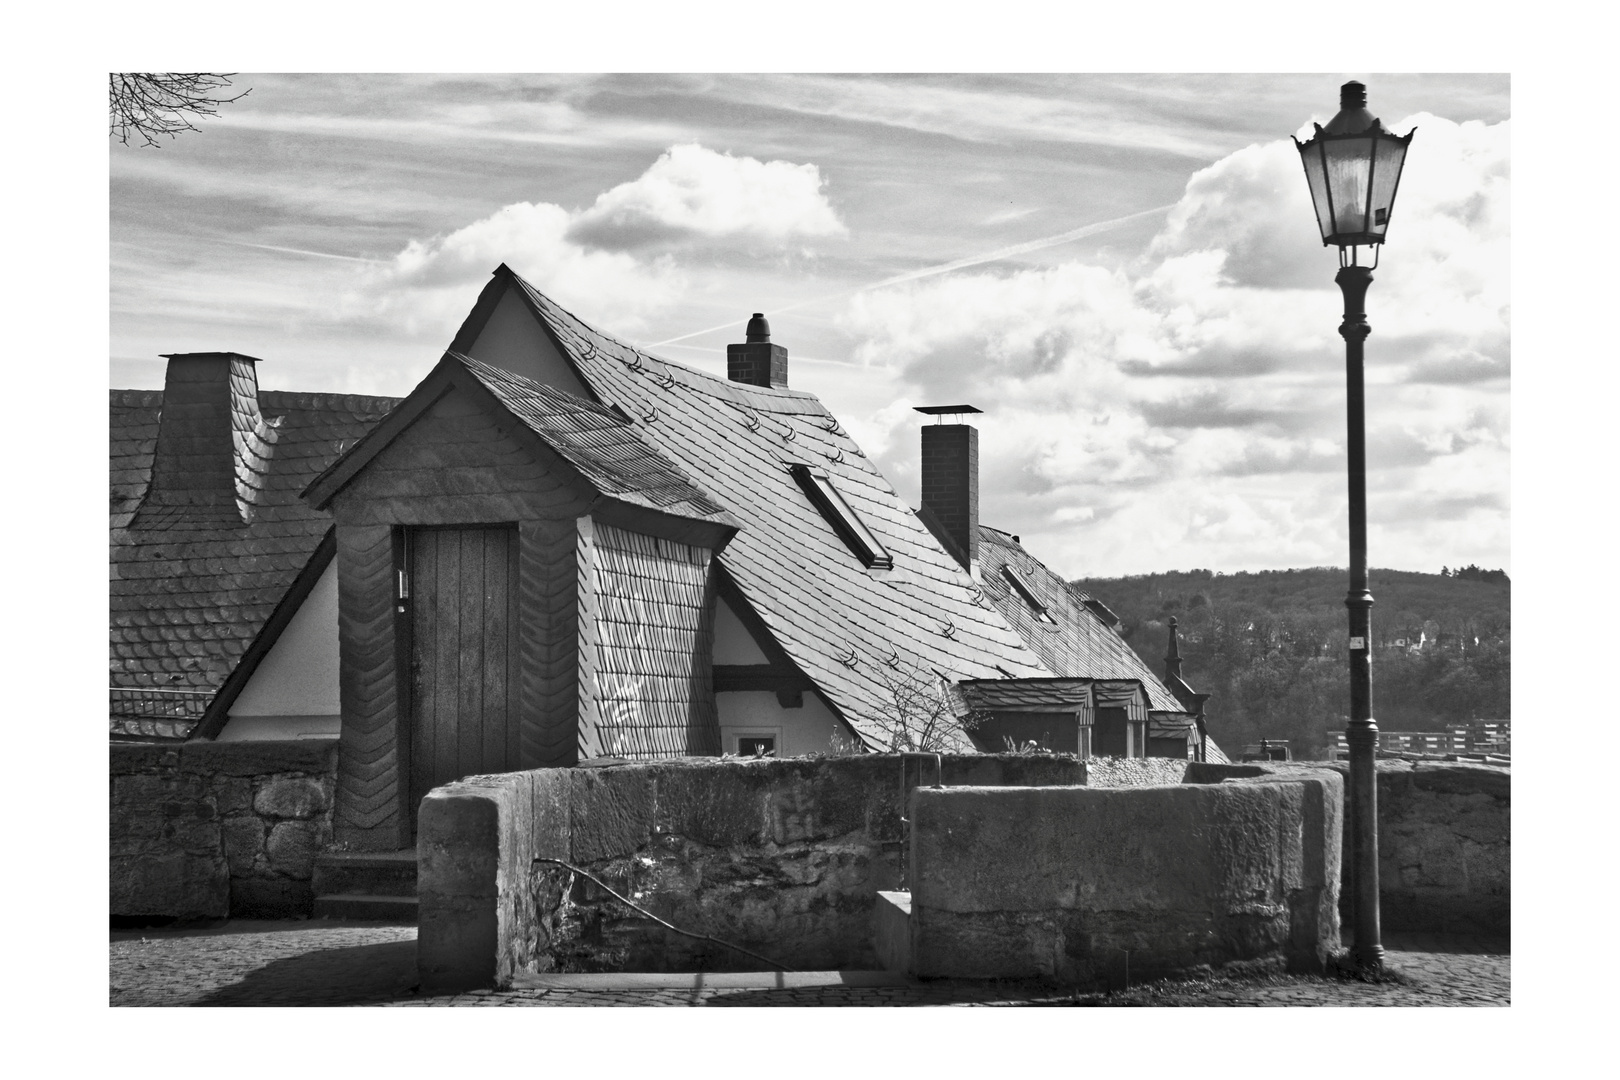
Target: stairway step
x=370, y=873
x=364, y=906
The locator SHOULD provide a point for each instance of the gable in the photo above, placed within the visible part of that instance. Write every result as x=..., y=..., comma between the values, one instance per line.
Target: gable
x=299, y=675
x=511, y=338
x=454, y=464
x=733, y=643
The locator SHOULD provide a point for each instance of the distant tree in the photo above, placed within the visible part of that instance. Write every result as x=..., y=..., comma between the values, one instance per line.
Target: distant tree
x=147, y=104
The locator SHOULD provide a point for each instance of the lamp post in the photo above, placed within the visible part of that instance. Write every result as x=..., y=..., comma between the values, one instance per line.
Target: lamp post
x=1354, y=166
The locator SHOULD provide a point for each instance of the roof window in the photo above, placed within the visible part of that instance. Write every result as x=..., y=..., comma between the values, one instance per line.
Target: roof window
x=850, y=528
x=1027, y=591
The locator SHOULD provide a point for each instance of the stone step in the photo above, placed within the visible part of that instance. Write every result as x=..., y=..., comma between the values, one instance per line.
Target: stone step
x=372, y=873
x=360, y=906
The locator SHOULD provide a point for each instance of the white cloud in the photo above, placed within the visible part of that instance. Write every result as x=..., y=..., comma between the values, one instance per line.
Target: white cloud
x=430, y=284
x=1188, y=409
x=694, y=192
x=582, y=259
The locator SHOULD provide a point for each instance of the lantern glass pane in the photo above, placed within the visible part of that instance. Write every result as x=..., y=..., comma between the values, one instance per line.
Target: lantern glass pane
x=1386, y=174
x=1348, y=162
x=1316, y=173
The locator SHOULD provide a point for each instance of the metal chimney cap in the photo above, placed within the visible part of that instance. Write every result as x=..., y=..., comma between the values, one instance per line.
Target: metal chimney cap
x=758, y=328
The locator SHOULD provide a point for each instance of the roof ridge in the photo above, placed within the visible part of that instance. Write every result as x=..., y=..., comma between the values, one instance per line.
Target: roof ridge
x=707, y=382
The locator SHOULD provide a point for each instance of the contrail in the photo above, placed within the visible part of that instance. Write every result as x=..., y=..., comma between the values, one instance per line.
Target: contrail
x=298, y=251
x=945, y=268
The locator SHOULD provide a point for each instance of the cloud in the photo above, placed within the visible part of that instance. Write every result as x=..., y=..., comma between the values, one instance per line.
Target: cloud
x=595, y=262
x=430, y=284
x=1187, y=408
x=692, y=192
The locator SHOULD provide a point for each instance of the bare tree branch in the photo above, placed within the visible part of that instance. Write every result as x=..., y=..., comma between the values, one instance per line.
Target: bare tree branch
x=152, y=103
x=922, y=715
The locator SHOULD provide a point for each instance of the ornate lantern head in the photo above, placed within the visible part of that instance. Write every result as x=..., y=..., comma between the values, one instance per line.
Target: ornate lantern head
x=1354, y=167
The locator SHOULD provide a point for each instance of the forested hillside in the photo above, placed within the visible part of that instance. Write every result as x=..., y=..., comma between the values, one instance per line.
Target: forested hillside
x=1270, y=647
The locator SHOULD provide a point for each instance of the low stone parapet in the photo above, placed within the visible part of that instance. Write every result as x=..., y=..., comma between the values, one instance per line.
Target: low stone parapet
x=781, y=857
x=207, y=829
x=1076, y=884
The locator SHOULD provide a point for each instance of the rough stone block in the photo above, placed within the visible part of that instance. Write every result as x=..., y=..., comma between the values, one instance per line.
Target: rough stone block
x=720, y=805
x=610, y=811
x=242, y=842
x=176, y=884
x=290, y=797
x=233, y=794
x=127, y=758
x=1062, y=882
x=292, y=846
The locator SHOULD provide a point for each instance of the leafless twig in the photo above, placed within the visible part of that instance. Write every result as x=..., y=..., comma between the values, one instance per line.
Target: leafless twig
x=152, y=103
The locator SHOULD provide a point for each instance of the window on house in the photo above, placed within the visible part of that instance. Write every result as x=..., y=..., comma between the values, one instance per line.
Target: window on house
x=1027, y=591
x=756, y=745
x=850, y=528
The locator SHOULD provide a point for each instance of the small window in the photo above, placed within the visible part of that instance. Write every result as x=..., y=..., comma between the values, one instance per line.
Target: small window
x=1025, y=590
x=850, y=528
x=756, y=745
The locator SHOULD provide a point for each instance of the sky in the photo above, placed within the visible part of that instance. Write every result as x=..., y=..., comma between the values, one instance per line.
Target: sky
x=1123, y=272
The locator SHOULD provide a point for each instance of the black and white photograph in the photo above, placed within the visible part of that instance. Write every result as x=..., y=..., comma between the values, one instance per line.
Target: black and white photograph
x=742, y=540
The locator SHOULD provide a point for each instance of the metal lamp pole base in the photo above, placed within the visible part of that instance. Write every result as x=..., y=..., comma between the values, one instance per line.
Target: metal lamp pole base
x=1362, y=735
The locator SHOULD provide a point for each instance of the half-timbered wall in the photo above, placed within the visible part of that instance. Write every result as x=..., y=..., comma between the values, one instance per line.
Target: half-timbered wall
x=653, y=620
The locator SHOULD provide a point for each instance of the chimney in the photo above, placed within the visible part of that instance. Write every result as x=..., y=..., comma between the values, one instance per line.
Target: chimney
x=213, y=444
x=756, y=361
x=950, y=483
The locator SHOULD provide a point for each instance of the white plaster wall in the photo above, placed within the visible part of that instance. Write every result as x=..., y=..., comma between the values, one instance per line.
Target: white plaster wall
x=812, y=729
x=294, y=691
x=259, y=728
x=733, y=644
x=512, y=339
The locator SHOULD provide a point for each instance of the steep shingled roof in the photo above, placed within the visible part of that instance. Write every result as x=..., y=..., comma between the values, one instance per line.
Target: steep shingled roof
x=602, y=444
x=189, y=597
x=835, y=619
x=1076, y=642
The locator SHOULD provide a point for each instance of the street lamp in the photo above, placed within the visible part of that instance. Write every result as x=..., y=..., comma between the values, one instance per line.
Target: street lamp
x=1354, y=166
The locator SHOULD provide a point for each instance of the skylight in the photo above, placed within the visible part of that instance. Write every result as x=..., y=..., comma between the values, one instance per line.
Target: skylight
x=1025, y=590
x=851, y=529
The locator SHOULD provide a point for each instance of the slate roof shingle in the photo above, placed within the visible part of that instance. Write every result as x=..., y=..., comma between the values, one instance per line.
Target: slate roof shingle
x=188, y=597
x=602, y=444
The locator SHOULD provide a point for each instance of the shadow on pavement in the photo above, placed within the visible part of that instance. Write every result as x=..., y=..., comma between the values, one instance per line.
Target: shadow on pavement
x=358, y=975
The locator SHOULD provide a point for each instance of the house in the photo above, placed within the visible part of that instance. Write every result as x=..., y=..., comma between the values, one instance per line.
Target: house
x=559, y=548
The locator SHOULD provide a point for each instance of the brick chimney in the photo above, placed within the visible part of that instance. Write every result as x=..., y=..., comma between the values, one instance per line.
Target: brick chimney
x=950, y=483
x=756, y=361
x=213, y=444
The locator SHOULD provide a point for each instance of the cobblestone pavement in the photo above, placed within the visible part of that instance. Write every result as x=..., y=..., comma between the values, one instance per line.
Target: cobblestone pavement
x=330, y=963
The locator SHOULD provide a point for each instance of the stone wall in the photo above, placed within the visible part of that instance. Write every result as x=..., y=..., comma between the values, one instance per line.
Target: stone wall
x=1444, y=842
x=211, y=829
x=783, y=857
x=1072, y=884
x=1113, y=772
x=1444, y=847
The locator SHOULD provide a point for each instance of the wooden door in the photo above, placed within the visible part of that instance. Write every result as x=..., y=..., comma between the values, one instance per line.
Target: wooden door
x=464, y=635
